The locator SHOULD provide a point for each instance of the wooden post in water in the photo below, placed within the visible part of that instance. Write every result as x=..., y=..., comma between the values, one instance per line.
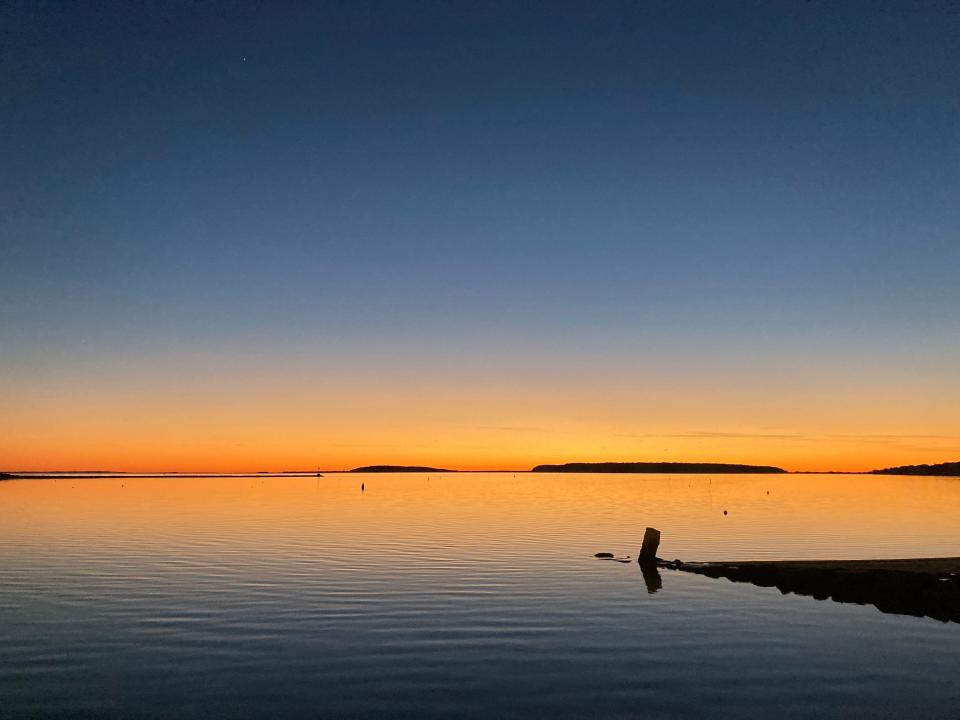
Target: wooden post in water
x=648, y=550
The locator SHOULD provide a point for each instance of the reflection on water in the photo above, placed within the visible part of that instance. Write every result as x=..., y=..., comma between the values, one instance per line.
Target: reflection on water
x=651, y=577
x=465, y=595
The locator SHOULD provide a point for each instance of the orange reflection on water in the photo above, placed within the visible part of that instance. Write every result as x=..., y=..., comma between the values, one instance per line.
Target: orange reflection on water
x=785, y=516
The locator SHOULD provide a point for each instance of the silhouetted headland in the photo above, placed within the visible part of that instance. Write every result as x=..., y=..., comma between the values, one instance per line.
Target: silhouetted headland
x=397, y=468
x=656, y=467
x=946, y=469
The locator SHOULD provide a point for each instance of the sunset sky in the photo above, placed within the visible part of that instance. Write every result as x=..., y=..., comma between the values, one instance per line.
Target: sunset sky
x=260, y=236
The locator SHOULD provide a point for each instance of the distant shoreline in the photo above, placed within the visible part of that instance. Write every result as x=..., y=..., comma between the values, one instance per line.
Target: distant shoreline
x=80, y=475
x=947, y=469
x=941, y=470
x=660, y=467
x=399, y=469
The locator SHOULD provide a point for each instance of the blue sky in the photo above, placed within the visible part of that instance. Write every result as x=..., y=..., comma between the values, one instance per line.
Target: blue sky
x=432, y=180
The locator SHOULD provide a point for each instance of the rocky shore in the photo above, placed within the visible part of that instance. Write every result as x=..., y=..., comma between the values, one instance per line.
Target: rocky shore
x=923, y=587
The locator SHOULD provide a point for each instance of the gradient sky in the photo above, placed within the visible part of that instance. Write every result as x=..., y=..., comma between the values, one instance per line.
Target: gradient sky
x=267, y=236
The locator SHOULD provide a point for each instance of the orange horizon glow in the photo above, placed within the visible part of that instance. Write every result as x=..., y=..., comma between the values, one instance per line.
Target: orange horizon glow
x=836, y=455
x=288, y=448
x=277, y=414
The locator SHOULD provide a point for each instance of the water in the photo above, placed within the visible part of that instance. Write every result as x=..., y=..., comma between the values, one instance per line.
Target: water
x=472, y=595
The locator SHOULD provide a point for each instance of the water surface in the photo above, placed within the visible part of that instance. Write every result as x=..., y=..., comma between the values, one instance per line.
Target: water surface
x=470, y=595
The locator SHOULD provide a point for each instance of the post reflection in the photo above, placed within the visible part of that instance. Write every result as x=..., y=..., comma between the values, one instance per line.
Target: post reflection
x=651, y=576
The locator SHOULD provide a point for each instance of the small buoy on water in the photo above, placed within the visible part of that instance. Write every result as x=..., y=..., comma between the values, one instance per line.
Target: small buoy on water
x=724, y=512
x=361, y=487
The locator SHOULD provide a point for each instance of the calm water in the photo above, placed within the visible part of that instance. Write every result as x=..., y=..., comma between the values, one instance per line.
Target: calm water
x=459, y=596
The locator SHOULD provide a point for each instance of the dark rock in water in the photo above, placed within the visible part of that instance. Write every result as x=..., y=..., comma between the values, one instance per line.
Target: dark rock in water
x=606, y=556
x=668, y=564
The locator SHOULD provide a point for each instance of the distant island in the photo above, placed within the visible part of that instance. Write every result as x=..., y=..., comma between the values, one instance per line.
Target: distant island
x=397, y=468
x=656, y=467
x=947, y=469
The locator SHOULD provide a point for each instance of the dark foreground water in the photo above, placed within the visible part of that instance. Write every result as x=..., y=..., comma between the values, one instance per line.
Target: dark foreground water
x=459, y=596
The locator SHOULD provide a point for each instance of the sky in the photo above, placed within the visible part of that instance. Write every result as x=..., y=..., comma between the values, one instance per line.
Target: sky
x=479, y=235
